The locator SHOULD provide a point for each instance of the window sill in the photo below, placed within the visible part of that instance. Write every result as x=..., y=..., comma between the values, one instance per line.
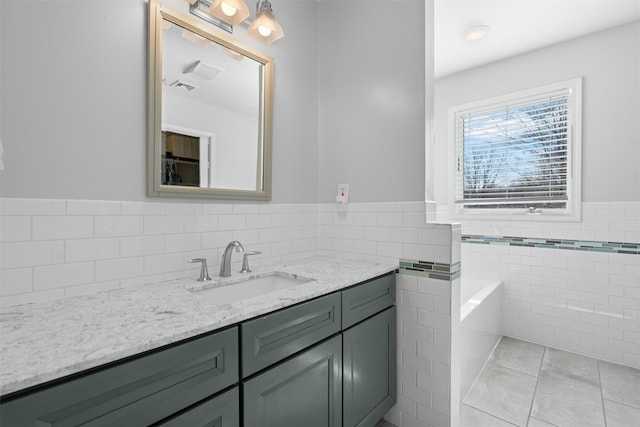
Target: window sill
x=516, y=215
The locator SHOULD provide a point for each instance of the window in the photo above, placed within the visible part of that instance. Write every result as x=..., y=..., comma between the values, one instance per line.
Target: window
x=519, y=154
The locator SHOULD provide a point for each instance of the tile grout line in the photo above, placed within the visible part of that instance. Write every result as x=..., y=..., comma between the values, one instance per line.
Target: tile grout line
x=604, y=412
x=535, y=389
x=511, y=369
x=490, y=414
x=623, y=404
x=484, y=367
x=491, y=362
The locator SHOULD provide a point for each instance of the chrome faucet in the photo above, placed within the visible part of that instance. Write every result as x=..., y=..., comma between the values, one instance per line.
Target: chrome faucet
x=204, y=271
x=245, y=261
x=225, y=264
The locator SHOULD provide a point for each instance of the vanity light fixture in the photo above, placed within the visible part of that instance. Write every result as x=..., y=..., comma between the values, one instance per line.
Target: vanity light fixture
x=265, y=27
x=232, y=12
x=201, y=9
x=477, y=32
x=227, y=13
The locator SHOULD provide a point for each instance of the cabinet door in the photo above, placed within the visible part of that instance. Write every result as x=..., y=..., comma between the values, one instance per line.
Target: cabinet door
x=369, y=369
x=219, y=411
x=304, y=391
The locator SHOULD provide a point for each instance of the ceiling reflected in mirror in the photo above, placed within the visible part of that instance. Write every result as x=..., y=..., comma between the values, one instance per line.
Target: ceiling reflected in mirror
x=213, y=74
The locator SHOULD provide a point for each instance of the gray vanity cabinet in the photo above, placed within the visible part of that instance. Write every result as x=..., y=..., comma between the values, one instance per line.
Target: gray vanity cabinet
x=348, y=380
x=304, y=391
x=369, y=369
x=135, y=392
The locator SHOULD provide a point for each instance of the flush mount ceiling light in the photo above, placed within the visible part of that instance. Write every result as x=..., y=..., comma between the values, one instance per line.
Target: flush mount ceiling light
x=232, y=12
x=227, y=13
x=477, y=32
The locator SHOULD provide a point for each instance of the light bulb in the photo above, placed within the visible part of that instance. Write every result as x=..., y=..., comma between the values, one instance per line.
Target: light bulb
x=264, y=31
x=265, y=27
x=227, y=9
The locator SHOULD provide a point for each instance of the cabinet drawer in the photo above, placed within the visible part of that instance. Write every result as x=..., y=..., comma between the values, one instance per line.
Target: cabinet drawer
x=219, y=411
x=273, y=337
x=137, y=392
x=367, y=299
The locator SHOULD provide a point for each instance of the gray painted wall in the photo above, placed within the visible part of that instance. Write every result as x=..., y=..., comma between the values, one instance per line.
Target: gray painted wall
x=73, y=93
x=74, y=100
x=372, y=92
x=608, y=61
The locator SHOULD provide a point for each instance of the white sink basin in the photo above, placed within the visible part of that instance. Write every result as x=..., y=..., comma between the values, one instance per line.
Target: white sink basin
x=253, y=287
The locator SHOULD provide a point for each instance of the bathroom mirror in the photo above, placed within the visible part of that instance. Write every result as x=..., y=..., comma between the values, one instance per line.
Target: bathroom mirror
x=209, y=112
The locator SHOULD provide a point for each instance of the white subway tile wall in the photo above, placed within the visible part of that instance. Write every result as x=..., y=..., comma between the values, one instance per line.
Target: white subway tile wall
x=55, y=248
x=385, y=230
x=94, y=243
x=585, y=302
x=424, y=353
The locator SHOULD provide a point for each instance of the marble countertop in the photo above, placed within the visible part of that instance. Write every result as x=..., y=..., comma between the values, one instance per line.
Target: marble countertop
x=45, y=341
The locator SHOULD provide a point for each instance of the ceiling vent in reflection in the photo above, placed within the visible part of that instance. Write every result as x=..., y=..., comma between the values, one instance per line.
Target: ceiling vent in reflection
x=183, y=85
x=203, y=71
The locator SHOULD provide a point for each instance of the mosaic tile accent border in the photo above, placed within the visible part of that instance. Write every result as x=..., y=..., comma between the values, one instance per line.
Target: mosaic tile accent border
x=432, y=270
x=572, y=245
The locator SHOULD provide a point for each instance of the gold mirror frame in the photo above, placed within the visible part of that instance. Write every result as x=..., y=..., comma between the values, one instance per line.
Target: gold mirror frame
x=155, y=188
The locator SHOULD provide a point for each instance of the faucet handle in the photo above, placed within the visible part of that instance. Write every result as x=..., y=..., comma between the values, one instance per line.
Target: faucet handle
x=245, y=261
x=204, y=271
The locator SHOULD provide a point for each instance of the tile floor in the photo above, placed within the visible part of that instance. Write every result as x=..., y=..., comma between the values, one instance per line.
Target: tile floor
x=530, y=385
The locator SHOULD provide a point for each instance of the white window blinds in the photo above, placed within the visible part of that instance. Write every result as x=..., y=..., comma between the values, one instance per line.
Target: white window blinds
x=515, y=154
